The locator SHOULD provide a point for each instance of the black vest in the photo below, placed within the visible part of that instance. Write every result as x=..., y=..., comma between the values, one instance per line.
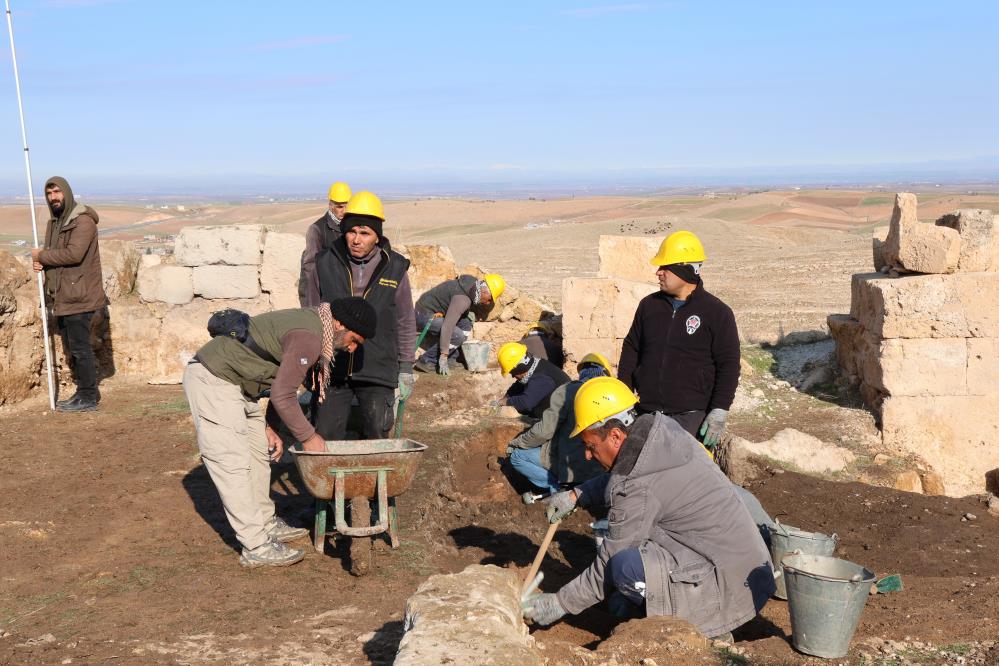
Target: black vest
x=438, y=298
x=559, y=377
x=377, y=360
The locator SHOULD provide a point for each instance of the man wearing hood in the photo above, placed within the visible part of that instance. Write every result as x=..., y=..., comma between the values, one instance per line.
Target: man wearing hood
x=320, y=236
x=362, y=263
x=74, y=288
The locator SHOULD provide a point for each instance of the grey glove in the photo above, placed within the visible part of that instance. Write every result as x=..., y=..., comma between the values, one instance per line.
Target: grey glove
x=406, y=383
x=542, y=608
x=713, y=427
x=561, y=505
x=442, y=366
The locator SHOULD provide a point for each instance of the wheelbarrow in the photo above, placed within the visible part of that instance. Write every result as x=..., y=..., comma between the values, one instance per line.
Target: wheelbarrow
x=359, y=471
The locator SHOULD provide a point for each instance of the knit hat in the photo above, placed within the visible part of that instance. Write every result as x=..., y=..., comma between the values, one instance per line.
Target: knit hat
x=356, y=314
x=523, y=366
x=351, y=220
x=689, y=273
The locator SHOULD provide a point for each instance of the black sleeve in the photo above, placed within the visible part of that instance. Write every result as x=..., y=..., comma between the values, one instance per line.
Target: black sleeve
x=629, y=350
x=725, y=352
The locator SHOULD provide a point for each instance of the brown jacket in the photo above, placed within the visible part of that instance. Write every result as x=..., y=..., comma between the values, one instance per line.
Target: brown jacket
x=72, y=261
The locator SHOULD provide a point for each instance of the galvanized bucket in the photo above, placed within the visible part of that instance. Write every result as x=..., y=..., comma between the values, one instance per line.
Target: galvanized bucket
x=476, y=353
x=825, y=597
x=785, y=539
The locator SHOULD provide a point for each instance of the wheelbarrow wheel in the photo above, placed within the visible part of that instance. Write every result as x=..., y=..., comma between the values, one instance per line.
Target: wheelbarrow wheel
x=360, y=547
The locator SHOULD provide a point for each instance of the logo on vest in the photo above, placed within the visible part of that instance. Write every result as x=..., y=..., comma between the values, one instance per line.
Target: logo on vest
x=385, y=282
x=693, y=323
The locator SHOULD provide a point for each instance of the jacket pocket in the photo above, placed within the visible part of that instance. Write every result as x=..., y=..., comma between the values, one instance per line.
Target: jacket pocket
x=72, y=289
x=694, y=592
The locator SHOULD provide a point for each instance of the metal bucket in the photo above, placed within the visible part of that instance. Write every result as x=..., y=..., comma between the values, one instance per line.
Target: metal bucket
x=476, y=353
x=825, y=597
x=785, y=539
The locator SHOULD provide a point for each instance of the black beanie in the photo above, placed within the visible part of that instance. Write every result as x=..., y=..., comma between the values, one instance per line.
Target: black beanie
x=524, y=365
x=686, y=272
x=351, y=220
x=356, y=314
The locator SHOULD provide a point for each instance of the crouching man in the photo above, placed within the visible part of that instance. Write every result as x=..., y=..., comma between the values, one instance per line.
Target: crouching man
x=223, y=384
x=680, y=540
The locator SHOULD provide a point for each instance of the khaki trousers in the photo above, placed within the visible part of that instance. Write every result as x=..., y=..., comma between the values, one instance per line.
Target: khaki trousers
x=233, y=447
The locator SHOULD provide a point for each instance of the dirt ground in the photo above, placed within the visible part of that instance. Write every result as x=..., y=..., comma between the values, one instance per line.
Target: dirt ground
x=116, y=550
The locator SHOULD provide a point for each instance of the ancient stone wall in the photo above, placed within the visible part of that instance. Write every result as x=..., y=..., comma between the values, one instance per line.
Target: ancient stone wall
x=922, y=341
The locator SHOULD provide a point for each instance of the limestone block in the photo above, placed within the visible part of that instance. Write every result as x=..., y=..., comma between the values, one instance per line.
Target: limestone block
x=135, y=340
x=166, y=283
x=226, y=281
x=921, y=366
x=903, y=218
x=932, y=483
x=627, y=258
x=916, y=247
x=236, y=245
x=909, y=482
x=927, y=306
x=471, y=617
x=957, y=435
x=979, y=238
x=149, y=260
x=119, y=267
x=598, y=310
x=281, y=267
x=983, y=366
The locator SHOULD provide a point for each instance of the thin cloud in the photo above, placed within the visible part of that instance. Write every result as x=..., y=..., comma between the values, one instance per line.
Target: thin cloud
x=605, y=10
x=300, y=42
x=80, y=3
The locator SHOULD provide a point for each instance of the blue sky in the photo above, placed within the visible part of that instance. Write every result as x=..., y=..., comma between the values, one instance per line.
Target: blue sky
x=146, y=93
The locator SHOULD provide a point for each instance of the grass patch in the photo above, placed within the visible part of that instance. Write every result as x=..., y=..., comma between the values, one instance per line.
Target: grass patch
x=876, y=201
x=761, y=360
x=957, y=648
x=731, y=657
x=175, y=405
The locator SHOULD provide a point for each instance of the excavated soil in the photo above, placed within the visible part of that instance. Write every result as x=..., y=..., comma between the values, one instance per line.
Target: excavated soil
x=115, y=549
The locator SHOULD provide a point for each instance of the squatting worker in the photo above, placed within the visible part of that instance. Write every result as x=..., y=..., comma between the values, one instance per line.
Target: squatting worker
x=682, y=352
x=362, y=263
x=74, y=287
x=318, y=237
x=546, y=454
x=447, y=306
x=236, y=439
x=680, y=542
x=536, y=379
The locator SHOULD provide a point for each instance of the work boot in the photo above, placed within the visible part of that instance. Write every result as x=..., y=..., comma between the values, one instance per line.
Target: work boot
x=281, y=531
x=425, y=366
x=78, y=404
x=271, y=553
x=70, y=399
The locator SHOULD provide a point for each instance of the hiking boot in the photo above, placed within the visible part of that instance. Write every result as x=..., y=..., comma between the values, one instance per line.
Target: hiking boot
x=281, y=531
x=271, y=553
x=425, y=366
x=77, y=404
x=72, y=398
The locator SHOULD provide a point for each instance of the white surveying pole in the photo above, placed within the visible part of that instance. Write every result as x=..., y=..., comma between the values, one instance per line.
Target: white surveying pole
x=31, y=204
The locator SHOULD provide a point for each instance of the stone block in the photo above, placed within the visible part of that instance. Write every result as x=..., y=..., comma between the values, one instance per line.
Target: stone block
x=119, y=267
x=955, y=435
x=932, y=483
x=983, y=366
x=979, y=238
x=226, y=281
x=236, y=245
x=878, y=238
x=921, y=367
x=908, y=482
x=598, y=312
x=903, y=218
x=430, y=265
x=166, y=283
x=916, y=247
x=281, y=267
x=627, y=258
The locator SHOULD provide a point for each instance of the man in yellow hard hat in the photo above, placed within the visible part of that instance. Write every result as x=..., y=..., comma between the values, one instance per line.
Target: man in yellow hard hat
x=680, y=541
x=682, y=352
x=547, y=454
x=320, y=236
x=535, y=378
x=448, y=309
x=543, y=342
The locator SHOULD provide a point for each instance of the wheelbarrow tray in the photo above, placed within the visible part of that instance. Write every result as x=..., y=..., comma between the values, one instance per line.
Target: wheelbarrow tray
x=398, y=457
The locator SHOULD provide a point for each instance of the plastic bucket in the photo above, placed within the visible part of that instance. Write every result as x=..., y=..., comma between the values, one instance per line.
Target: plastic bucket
x=785, y=539
x=476, y=353
x=825, y=597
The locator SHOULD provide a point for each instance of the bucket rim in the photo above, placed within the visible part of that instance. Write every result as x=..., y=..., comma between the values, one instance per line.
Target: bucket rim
x=868, y=576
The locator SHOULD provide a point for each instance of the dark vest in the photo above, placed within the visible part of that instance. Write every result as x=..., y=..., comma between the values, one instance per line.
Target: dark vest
x=229, y=359
x=377, y=360
x=437, y=299
x=550, y=369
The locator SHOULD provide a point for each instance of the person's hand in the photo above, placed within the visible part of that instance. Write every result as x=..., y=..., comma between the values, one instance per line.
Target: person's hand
x=561, y=505
x=713, y=427
x=315, y=444
x=37, y=266
x=406, y=383
x=542, y=608
x=274, y=443
x=442, y=366
x=510, y=448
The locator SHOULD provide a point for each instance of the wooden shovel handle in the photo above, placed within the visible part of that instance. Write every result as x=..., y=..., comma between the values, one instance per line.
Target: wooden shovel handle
x=541, y=553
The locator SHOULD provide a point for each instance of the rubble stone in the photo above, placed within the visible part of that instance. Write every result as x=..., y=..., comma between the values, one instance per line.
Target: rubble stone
x=281, y=267
x=235, y=245
x=166, y=283
x=979, y=238
x=801, y=450
x=909, y=482
x=878, y=238
x=917, y=247
x=119, y=268
x=226, y=281
x=932, y=483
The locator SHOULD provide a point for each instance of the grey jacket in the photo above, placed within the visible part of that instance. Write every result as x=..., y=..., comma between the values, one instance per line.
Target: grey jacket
x=564, y=456
x=705, y=561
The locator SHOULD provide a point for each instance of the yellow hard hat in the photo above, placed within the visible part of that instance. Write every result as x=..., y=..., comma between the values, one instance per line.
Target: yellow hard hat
x=599, y=399
x=510, y=356
x=594, y=357
x=496, y=284
x=339, y=192
x=365, y=203
x=682, y=247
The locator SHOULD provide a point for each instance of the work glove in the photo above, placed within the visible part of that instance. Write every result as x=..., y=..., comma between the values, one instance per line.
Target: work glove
x=442, y=366
x=406, y=383
x=542, y=608
x=713, y=427
x=561, y=505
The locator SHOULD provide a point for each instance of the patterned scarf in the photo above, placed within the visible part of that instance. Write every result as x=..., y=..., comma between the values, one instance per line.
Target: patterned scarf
x=321, y=370
x=530, y=371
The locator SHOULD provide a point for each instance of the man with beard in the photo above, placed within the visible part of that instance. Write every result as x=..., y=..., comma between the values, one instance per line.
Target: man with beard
x=74, y=287
x=237, y=440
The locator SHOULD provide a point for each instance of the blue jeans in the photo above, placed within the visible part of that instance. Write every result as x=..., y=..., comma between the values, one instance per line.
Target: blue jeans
x=459, y=334
x=624, y=582
x=528, y=463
